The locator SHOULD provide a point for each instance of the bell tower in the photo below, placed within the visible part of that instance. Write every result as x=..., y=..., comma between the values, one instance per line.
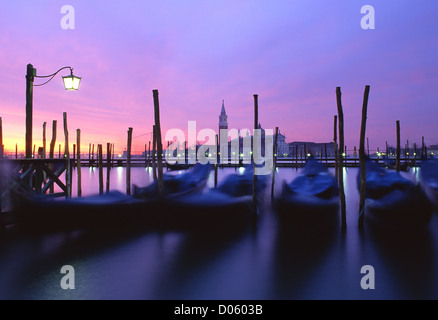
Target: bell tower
x=223, y=123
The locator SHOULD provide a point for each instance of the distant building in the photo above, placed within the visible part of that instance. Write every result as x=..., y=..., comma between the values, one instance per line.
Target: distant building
x=236, y=147
x=284, y=149
x=282, y=146
x=412, y=151
x=433, y=150
x=315, y=149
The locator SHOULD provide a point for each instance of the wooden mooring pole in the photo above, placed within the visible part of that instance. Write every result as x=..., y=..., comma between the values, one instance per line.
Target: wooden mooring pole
x=397, y=162
x=274, y=164
x=44, y=140
x=30, y=75
x=362, y=158
x=186, y=153
x=128, y=162
x=149, y=154
x=92, y=156
x=52, y=150
x=216, y=164
x=335, y=141
x=387, y=155
x=89, y=154
x=108, y=166
x=415, y=154
x=341, y=161
x=422, y=148
x=368, y=147
x=78, y=161
x=100, y=166
x=154, y=154
x=67, y=157
x=145, y=155
x=255, y=152
x=159, y=144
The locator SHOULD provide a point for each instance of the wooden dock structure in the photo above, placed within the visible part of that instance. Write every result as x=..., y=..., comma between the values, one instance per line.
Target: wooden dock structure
x=288, y=162
x=293, y=162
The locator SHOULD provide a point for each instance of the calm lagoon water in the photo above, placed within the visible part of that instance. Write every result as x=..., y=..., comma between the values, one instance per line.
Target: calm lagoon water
x=260, y=262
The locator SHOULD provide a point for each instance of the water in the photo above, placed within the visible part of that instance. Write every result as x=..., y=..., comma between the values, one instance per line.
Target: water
x=259, y=262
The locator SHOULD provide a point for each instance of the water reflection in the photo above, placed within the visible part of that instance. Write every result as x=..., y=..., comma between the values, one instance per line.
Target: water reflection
x=298, y=256
x=410, y=260
x=265, y=261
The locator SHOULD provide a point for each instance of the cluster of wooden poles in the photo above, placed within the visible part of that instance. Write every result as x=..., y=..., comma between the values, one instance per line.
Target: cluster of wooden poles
x=157, y=156
x=157, y=153
x=339, y=163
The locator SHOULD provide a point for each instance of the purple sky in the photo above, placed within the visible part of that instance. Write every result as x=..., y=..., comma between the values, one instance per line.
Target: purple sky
x=293, y=54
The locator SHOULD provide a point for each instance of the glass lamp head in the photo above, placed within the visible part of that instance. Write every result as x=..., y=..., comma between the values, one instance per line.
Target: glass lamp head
x=71, y=82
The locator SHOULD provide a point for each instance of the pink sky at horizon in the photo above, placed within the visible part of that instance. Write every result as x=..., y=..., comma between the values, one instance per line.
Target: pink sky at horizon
x=293, y=54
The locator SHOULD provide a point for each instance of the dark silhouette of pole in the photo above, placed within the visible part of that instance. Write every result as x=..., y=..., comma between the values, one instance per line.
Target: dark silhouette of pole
x=159, y=144
x=146, y=155
x=108, y=165
x=368, y=147
x=30, y=76
x=274, y=152
x=100, y=166
x=149, y=154
x=67, y=157
x=52, y=150
x=217, y=160
x=128, y=162
x=44, y=140
x=255, y=152
x=341, y=161
x=397, y=163
x=415, y=154
x=154, y=154
x=422, y=148
x=89, y=154
x=387, y=155
x=78, y=157
x=362, y=158
x=335, y=141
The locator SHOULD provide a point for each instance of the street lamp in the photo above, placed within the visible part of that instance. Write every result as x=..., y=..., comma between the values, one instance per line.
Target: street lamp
x=71, y=82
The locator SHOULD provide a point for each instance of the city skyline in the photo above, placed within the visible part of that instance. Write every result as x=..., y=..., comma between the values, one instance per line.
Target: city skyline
x=293, y=54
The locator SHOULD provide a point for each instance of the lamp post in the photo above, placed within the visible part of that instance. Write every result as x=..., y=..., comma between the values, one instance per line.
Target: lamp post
x=71, y=82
